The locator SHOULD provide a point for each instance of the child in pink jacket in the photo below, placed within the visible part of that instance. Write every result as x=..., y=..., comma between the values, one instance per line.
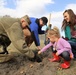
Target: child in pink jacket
x=61, y=48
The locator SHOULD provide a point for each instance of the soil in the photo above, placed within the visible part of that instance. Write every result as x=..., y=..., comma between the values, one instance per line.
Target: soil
x=20, y=65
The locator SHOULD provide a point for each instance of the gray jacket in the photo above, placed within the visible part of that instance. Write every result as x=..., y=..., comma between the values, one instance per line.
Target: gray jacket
x=11, y=27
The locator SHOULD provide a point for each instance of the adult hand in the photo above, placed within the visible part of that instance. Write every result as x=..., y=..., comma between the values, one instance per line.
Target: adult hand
x=38, y=47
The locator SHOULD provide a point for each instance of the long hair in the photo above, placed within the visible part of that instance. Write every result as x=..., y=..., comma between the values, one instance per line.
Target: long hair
x=72, y=19
x=54, y=31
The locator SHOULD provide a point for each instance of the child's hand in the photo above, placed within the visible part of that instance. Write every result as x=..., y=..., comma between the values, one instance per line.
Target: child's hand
x=39, y=52
x=56, y=53
x=71, y=56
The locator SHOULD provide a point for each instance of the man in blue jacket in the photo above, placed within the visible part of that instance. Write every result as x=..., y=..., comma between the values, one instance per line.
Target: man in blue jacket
x=35, y=26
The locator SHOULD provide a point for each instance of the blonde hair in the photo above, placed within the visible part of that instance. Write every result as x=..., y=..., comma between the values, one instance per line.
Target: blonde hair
x=26, y=17
x=54, y=31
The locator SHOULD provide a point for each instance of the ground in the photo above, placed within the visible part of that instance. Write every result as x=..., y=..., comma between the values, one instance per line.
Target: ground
x=20, y=65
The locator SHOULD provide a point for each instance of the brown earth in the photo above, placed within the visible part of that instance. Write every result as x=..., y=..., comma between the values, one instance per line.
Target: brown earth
x=20, y=65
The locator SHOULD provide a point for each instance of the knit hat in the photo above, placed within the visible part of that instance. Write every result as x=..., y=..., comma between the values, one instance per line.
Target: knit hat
x=27, y=19
x=45, y=20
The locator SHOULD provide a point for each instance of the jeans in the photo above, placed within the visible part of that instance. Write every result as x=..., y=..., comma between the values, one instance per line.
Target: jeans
x=73, y=45
x=64, y=55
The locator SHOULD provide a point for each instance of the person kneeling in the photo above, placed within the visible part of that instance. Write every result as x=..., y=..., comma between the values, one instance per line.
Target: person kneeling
x=61, y=48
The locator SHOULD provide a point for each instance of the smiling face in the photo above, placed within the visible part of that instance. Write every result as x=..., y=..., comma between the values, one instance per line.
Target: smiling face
x=66, y=16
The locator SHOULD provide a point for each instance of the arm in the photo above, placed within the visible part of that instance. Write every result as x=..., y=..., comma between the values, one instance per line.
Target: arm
x=46, y=47
x=34, y=30
x=66, y=47
x=36, y=37
x=68, y=32
x=16, y=36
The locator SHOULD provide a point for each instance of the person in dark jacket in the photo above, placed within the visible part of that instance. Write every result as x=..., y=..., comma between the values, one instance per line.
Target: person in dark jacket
x=35, y=26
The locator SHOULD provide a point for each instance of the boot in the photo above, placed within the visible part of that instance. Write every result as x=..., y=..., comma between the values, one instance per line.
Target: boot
x=65, y=65
x=55, y=59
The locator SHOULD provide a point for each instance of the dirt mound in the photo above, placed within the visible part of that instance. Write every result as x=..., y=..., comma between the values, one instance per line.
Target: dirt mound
x=20, y=65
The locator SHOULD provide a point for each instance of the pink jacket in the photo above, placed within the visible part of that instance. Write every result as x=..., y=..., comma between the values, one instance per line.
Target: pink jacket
x=61, y=46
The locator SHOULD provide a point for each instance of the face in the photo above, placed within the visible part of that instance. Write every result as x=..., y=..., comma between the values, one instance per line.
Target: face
x=24, y=23
x=41, y=22
x=66, y=17
x=52, y=38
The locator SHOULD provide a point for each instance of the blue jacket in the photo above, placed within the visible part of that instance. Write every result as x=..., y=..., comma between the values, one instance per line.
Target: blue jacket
x=36, y=29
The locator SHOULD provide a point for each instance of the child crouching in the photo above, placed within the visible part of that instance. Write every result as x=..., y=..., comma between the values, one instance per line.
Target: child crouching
x=61, y=48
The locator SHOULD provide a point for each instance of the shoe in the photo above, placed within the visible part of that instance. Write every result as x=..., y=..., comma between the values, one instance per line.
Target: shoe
x=55, y=58
x=65, y=65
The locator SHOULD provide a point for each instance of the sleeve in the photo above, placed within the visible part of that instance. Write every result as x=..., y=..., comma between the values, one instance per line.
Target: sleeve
x=46, y=47
x=68, y=32
x=36, y=37
x=37, y=43
x=35, y=34
x=16, y=36
x=66, y=47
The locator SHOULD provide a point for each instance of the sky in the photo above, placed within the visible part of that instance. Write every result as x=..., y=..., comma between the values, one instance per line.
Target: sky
x=38, y=8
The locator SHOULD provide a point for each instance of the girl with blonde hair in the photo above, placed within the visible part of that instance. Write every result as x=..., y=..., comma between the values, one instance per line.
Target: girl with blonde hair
x=61, y=48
